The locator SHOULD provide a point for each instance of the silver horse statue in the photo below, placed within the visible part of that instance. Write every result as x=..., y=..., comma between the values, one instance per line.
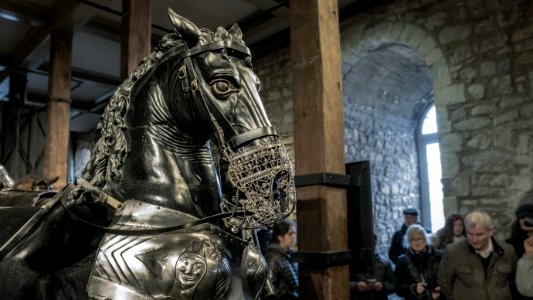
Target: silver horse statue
x=186, y=169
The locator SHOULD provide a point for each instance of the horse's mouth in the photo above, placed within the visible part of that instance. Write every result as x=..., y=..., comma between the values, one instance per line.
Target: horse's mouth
x=264, y=183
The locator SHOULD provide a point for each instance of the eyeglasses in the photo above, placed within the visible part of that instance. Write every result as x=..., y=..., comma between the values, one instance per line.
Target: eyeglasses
x=417, y=240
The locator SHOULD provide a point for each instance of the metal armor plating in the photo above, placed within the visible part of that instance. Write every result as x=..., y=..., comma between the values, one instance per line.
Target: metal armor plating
x=191, y=263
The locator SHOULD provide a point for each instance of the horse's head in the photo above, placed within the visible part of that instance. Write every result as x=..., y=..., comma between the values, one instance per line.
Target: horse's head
x=216, y=76
x=195, y=89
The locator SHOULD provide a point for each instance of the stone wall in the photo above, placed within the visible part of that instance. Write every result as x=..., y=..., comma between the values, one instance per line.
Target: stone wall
x=479, y=54
x=274, y=71
x=388, y=143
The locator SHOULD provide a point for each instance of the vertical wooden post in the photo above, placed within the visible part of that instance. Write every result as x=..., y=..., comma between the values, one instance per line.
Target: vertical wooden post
x=136, y=34
x=58, y=109
x=319, y=140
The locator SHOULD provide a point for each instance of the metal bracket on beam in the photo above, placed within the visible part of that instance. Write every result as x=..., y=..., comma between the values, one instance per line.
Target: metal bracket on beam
x=329, y=179
x=322, y=259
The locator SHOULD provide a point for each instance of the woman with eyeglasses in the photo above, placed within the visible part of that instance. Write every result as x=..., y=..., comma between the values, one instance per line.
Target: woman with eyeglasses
x=417, y=270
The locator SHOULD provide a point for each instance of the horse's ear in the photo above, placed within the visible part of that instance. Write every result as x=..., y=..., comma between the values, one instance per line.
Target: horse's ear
x=235, y=31
x=188, y=31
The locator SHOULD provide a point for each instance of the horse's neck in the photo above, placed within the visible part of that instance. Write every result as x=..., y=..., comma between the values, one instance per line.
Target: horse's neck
x=185, y=180
x=165, y=167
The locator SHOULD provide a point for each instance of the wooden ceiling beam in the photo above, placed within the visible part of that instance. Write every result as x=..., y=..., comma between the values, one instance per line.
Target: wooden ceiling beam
x=85, y=75
x=37, y=35
x=42, y=100
x=65, y=14
x=279, y=9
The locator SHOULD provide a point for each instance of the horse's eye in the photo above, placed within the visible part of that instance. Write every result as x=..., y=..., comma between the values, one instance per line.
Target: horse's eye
x=222, y=88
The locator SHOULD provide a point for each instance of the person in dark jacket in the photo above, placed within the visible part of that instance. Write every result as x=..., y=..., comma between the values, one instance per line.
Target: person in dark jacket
x=478, y=267
x=410, y=217
x=417, y=269
x=283, y=272
x=521, y=231
x=375, y=285
x=373, y=280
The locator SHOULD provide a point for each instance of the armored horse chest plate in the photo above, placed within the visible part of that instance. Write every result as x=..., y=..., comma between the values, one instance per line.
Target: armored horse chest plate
x=198, y=262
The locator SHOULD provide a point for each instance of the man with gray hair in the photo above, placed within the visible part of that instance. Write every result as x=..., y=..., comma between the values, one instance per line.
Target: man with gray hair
x=479, y=267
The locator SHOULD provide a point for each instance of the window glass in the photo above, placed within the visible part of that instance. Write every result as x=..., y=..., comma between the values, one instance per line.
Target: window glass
x=430, y=121
x=435, y=186
x=430, y=171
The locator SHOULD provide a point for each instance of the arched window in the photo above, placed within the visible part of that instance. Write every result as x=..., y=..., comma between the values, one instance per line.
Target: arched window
x=430, y=170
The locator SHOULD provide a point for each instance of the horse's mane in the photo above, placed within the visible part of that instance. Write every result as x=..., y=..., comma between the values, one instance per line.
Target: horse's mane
x=110, y=149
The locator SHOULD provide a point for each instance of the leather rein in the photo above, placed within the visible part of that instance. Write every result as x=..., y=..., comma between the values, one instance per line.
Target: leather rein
x=117, y=205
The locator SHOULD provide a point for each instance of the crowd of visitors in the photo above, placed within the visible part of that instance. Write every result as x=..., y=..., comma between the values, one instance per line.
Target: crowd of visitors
x=461, y=261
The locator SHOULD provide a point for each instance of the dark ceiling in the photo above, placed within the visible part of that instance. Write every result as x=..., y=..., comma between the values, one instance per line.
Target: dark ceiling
x=25, y=27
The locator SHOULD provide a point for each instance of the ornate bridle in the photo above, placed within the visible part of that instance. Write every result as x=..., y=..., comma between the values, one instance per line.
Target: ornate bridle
x=261, y=174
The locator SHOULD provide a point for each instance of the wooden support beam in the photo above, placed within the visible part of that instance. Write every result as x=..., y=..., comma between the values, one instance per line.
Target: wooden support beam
x=136, y=34
x=58, y=109
x=319, y=141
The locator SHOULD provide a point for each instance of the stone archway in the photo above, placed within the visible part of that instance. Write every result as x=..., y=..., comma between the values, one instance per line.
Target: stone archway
x=391, y=70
